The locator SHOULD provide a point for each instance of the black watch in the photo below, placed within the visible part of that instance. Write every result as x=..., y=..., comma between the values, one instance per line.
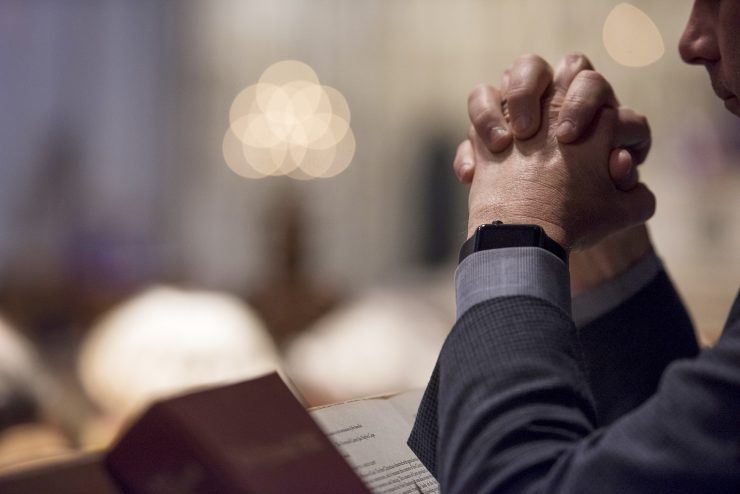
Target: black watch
x=497, y=235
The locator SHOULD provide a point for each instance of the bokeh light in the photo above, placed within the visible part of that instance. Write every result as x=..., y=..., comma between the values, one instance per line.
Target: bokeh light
x=289, y=124
x=381, y=342
x=631, y=37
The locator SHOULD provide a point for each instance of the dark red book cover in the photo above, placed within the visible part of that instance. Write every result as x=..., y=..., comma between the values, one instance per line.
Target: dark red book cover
x=251, y=437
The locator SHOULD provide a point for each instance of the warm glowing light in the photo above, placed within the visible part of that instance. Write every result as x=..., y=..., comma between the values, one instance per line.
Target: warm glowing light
x=288, y=71
x=382, y=342
x=289, y=124
x=631, y=37
x=165, y=341
x=234, y=156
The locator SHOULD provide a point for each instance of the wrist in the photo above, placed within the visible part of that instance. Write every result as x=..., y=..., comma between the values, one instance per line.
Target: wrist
x=608, y=259
x=555, y=232
x=499, y=235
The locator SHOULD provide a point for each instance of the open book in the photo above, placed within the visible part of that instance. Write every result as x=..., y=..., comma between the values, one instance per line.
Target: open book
x=249, y=437
x=371, y=434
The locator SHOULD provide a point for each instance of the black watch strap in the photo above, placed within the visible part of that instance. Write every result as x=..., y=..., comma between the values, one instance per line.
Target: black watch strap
x=498, y=235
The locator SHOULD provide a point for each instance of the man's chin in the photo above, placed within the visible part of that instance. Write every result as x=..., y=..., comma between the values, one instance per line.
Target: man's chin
x=733, y=104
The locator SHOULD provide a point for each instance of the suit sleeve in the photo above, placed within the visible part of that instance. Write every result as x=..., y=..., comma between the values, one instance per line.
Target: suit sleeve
x=628, y=346
x=509, y=409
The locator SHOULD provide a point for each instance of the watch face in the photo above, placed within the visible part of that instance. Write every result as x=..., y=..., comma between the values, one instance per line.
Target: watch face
x=498, y=236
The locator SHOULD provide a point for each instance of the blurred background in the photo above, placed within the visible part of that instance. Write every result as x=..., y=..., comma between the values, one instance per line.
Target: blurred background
x=134, y=262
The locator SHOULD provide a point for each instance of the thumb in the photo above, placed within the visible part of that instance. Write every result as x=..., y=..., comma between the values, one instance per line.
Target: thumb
x=622, y=169
x=464, y=164
x=636, y=205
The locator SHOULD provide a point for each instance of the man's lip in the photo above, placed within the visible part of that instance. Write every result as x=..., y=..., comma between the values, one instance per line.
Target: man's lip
x=719, y=88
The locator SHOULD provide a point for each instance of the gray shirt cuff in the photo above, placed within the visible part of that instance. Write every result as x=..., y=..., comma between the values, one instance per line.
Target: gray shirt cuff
x=529, y=271
x=590, y=305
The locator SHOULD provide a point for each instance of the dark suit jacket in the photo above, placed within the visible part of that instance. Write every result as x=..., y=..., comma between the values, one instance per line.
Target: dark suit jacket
x=520, y=401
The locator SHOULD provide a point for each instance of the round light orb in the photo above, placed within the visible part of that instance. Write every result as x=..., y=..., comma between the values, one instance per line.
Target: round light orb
x=289, y=124
x=233, y=151
x=287, y=71
x=631, y=37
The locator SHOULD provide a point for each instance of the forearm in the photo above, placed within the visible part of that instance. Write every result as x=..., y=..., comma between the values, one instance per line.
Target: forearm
x=511, y=394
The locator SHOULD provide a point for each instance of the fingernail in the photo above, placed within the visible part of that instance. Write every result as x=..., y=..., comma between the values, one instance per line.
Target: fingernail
x=498, y=132
x=565, y=130
x=521, y=124
x=629, y=181
x=498, y=136
x=465, y=170
x=632, y=177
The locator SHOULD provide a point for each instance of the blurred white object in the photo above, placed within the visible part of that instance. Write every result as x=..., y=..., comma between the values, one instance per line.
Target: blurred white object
x=165, y=341
x=387, y=341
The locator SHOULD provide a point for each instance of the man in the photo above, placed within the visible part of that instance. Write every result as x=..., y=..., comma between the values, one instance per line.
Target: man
x=521, y=399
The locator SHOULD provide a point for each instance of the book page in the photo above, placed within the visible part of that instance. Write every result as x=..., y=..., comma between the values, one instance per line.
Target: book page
x=371, y=435
x=407, y=404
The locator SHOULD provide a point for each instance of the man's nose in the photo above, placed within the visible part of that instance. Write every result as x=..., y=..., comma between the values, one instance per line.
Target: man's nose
x=698, y=43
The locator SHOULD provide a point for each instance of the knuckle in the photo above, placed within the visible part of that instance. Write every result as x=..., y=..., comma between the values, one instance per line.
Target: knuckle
x=634, y=118
x=477, y=92
x=471, y=134
x=519, y=92
x=574, y=56
x=629, y=113
x=590, y=88
x=481, y=87
x=483, y=118
x=530, y=58
x=577, y=60
x=577, y=106
x=529, y=77
x=505, y=78
x=577, y=98
x=594, y=77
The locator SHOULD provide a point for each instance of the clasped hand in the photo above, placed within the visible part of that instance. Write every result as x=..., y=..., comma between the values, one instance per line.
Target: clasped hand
x=565, y=161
